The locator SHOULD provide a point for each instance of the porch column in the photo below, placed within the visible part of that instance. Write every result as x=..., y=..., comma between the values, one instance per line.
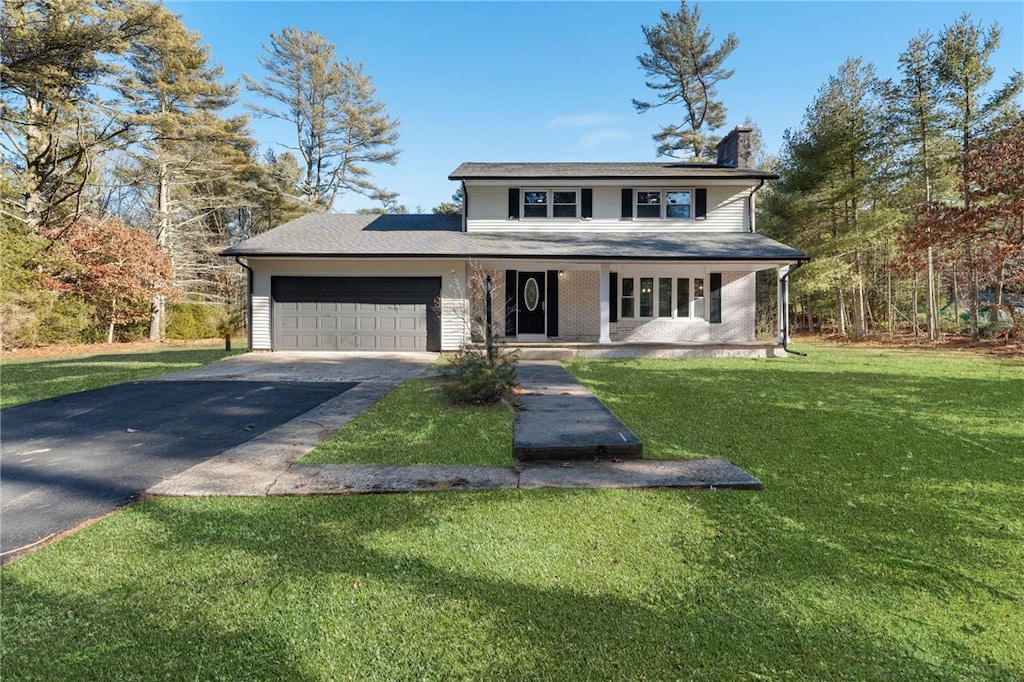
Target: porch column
x=783, y=322
x=606, y=305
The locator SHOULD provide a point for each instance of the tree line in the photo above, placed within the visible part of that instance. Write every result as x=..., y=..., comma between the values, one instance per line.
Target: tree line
x=125, y=174
x=907, y=193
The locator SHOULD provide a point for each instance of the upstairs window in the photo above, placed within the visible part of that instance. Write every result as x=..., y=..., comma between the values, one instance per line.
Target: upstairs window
x=546, y=203
x=664, y=204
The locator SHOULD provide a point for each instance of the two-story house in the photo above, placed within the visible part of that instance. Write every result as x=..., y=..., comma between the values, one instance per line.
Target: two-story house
x=597, y=255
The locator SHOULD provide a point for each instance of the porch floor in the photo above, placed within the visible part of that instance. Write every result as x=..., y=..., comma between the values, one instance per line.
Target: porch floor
x=568, y=350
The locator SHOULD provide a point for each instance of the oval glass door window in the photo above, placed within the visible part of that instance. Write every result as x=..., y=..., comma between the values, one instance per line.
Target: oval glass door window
x=531, y=294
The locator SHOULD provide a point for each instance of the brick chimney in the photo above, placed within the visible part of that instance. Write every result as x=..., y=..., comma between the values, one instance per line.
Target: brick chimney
x=734, y=149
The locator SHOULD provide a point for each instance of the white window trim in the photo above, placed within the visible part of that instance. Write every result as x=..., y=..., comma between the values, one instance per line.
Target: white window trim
x=690, y=318
x=662, y=206
x=550, y=206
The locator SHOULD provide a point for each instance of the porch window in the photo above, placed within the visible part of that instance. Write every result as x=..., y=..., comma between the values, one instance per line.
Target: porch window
x=628, y=299
x=548, y=203
x=664, y=204
x=662, y=297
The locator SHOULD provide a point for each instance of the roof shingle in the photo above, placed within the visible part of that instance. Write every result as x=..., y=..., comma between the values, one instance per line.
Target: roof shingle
x=434, y=236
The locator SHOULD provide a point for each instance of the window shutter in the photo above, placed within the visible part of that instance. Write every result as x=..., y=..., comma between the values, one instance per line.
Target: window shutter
x=513, y=204
x=716, y=297
x=587, y=203
x=552, y=303
x=701, y=201
x=627, y=202
x=613, y=296
x=511, y=285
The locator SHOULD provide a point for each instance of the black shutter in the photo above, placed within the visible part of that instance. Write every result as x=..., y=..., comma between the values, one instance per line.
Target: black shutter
x=552, y=303
x=513, y=203
x=613, y=296
x=701, y=201
x=587, y=203
x=511, y=285
x=627, y=202
x=716, y=297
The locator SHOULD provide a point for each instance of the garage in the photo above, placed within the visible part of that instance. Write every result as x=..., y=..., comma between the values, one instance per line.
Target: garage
x=356, y=313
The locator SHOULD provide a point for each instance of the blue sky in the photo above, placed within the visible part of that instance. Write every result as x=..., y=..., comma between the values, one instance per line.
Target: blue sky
x=553, y=81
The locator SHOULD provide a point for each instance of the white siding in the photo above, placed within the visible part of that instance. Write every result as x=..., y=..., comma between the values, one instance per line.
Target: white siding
x=451, y=272
x=261, y=322
x=727, y=212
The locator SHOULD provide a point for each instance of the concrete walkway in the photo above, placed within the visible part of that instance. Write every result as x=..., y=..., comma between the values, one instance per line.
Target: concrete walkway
x=559, y=412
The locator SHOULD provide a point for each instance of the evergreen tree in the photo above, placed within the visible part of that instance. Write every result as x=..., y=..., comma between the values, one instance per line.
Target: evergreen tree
x=964, y=74
x=58, y=62
x=340, y=126
x=191, y=159
x=682, y=67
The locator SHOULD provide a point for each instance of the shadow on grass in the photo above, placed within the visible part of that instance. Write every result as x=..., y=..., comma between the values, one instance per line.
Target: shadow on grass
x=327, y=588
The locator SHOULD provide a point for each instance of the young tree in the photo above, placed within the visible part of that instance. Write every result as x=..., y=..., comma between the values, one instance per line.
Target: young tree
x=340, y=126
x=682, y=67
x=118, y=270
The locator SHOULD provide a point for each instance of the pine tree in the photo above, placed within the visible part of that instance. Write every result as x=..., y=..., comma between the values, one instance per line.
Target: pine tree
x=683, y=68
x=340, y=126
x=58, y=62
x=191, y=159
x=964, y=73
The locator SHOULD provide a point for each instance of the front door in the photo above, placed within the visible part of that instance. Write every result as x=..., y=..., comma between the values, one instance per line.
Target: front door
x=531, y=302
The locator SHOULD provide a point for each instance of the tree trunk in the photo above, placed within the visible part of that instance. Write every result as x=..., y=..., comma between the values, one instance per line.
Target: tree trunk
x=163, y=199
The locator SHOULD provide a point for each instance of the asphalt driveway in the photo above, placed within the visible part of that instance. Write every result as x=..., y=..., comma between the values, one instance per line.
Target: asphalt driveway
x=67, y=460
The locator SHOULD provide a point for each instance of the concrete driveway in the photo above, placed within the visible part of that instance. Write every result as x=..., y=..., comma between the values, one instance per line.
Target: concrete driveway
x=71, y=459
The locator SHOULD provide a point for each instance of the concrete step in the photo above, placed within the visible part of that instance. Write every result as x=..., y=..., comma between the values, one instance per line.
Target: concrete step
x=559, y=419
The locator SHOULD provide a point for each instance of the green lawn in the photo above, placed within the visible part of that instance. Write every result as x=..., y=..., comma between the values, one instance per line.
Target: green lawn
x=887, y=545
x=24, y=381
x=415, y=425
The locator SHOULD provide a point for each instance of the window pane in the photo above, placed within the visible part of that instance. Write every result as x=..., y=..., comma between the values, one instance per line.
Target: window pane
x=683, y=296
x=665, y=297
x=677, y=205
x=648, y=204
x=646, y=297
x=535, y=211
x=564, y=211
x=698, y=297
x=535, y=197
x=565, y=197
x=628, y=309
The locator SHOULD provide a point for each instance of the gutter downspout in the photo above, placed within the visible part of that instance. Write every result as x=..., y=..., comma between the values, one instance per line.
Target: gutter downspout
x=750, y=205
x=248, y=303
x=785, y=318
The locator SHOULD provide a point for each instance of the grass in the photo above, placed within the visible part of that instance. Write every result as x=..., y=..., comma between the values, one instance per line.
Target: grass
x=415, y=425
x=887, y=545
x=25, y=381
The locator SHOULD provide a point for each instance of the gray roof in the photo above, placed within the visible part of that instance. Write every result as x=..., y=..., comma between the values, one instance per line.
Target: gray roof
x=437, y=236
x=603, y=171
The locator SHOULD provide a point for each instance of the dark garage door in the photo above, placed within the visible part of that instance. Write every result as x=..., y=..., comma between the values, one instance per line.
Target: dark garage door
x=356, y=313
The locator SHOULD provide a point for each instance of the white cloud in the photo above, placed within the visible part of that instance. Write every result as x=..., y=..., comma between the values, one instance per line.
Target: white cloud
x=583, y=120
x=602, y=136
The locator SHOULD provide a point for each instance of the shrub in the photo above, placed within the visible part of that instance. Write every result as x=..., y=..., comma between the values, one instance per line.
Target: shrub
x=196, y=321
x=474, y=376
x=42, y=317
